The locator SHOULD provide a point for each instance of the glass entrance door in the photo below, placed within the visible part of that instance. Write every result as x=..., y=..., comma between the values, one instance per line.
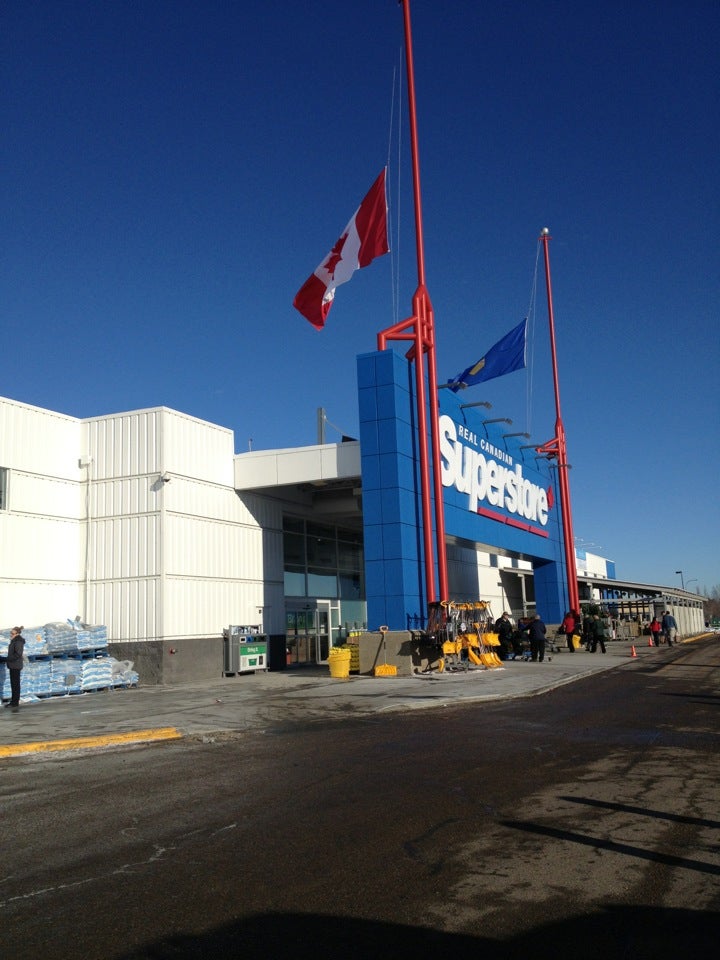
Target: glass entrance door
x=311, y=631
x=322, y=631
x=300, y=635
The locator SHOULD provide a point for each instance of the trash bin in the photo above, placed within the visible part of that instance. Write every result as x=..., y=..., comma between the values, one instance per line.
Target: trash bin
x=231, y=652
x=245, y=650
x=253, y=653
x=339, y=663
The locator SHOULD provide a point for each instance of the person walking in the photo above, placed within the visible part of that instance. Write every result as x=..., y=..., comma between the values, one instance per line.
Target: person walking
x=536, y=632
x=669, y=628
x=598, y=634
x=655, y=629
x=15, y=655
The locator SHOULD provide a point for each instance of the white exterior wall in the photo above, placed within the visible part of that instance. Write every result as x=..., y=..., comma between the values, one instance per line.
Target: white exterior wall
x=272, y=468
x=222, y=571
x=689, y=617
x=590, y=564
x=40, y=532
x=164, y=560
x=123, y=573
x=174, y=551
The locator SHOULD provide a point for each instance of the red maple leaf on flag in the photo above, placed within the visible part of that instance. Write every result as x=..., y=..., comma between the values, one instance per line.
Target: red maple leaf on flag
x=335, y=256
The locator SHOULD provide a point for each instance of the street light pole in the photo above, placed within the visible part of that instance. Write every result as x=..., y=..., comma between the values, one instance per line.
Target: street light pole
x=682, y=579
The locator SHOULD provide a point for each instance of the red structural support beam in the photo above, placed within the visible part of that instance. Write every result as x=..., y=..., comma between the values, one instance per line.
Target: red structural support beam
x=420, y=329
x=557, y=447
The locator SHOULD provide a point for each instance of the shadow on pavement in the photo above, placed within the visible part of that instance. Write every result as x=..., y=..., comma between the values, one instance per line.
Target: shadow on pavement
x=642, y=933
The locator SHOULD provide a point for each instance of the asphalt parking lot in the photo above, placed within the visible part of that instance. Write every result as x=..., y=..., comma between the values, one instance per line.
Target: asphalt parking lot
x=246, y=702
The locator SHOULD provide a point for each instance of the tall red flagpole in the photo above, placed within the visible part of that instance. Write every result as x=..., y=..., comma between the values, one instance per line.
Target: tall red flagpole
x=557, y=448
x=420, y=328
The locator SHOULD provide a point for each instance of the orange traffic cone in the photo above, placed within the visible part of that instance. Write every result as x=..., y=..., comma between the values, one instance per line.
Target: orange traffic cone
x=650, y=643
x=632, y=651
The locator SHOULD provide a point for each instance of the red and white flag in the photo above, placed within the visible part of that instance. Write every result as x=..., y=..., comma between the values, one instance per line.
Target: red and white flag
x=363, y=239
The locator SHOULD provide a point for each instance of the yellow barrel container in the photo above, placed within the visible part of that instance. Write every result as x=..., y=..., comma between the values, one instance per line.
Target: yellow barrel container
x=339, y=662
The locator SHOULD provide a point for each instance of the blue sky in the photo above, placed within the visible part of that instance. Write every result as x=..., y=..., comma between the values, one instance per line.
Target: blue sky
x=173, y=171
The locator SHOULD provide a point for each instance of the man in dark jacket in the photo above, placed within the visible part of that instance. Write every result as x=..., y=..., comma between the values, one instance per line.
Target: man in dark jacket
x=504, y=630
x=599, y=629
x=16, y=648
x=536, y=632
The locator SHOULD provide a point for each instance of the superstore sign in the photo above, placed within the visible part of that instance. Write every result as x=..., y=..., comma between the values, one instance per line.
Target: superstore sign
x=490, y=479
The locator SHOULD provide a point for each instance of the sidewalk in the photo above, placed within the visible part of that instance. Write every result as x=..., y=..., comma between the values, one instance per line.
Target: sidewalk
x=251, y=702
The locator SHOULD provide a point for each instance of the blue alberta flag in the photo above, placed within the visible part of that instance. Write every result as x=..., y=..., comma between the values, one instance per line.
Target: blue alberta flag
x=507, y=355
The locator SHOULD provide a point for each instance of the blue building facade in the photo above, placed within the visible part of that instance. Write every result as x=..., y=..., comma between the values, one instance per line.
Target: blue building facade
x=495, y=494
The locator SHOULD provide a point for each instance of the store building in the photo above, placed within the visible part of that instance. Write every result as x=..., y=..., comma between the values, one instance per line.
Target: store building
x=149, y=523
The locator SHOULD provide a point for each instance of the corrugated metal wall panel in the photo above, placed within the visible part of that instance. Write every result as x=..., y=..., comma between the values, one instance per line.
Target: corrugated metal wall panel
x=193, y=448
x=109, y=498
x=264, y=511
x=201, y=608
x=38, y=441
x=125, y=547
x=273, y=558
x=46, y=496
x=125, y=444
x=129, y=608
x=153, y=441
x=198, y=548
x=201, y=499
x=41, y=537
x=36, y=602
x=222, y=552
x=38, y=548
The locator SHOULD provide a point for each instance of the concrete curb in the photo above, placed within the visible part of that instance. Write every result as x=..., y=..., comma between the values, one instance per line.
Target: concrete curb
x=90, y=743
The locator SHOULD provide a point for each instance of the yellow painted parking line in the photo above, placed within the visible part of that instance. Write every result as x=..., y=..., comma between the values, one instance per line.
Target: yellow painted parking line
x=84, y=743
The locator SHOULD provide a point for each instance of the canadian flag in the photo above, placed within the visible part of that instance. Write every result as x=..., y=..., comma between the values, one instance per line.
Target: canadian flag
x=363, y=239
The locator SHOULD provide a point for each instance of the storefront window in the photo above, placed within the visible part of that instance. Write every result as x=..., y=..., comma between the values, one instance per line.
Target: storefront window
x=322, y=552
x=321, y=530
x=294, y=582
x=350, y=586
x=321, y=560
x=350, y=556
x=294, y=549
x=321, y=584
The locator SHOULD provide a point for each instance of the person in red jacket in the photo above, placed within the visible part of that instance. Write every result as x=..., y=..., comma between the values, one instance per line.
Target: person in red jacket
x=655, y=629
x=570, y=626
